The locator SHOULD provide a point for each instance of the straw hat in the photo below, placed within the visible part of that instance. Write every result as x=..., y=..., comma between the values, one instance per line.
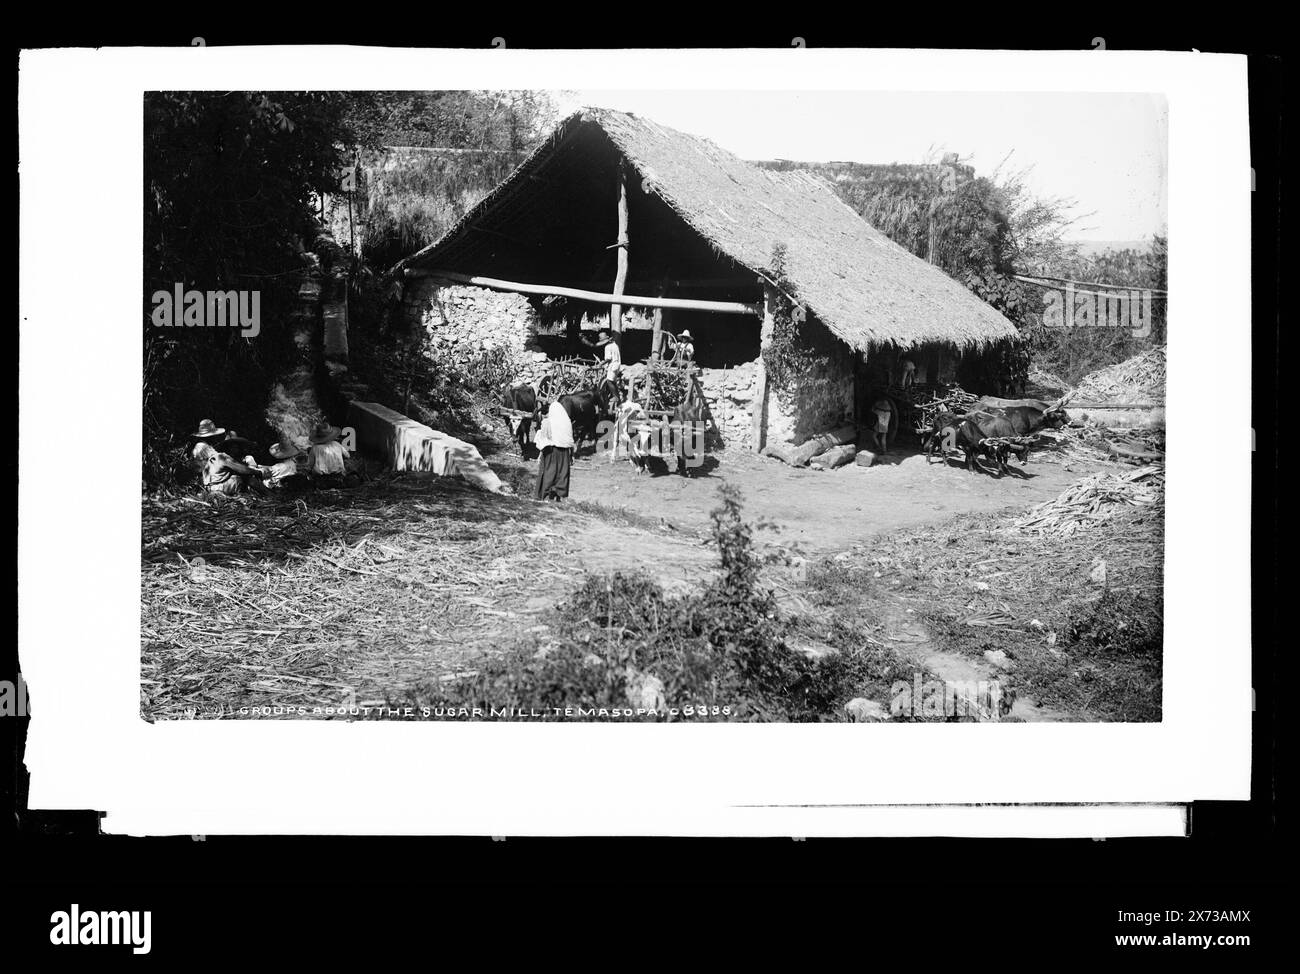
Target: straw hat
x=686, y=333
x=604, y=337
x=207, y=430
x=284, y=450
x=324, y=433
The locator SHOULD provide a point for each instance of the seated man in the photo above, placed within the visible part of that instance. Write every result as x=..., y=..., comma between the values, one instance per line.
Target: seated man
x=286, y=473
x=325, y=458
x=221, y=474
x=208, y=436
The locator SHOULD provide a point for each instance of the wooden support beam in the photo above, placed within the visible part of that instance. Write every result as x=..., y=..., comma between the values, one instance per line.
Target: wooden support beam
x=758, y=432
x=596, y=297
x=620, y=276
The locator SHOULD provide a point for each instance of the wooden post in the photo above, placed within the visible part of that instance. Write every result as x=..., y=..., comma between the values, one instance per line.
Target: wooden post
x=758, y=433
x=656, y=337
x=620, y=277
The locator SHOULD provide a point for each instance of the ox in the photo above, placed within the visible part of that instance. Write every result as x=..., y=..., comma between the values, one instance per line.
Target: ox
x=589, y=407
x=523, y=399
x=1025, y=415
x=976, y=428
x=687, y=418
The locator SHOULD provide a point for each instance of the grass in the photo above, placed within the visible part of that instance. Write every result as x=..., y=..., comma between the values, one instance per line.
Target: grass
x=981, y=584
x=412, y=591
x=619, y=645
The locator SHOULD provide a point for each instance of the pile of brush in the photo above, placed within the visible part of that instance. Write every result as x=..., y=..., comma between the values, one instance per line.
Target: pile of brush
x=1089, y=443
x=1140, y=379
x=1096, y=499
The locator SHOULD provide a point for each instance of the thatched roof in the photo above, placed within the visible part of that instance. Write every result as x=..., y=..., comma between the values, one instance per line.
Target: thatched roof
x=866, y=289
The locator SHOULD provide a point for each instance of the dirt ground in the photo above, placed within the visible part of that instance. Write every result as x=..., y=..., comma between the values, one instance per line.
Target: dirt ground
x=814, y=512
x=379, y=596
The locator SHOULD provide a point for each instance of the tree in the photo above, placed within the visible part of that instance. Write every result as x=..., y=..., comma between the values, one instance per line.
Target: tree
x=230, y=179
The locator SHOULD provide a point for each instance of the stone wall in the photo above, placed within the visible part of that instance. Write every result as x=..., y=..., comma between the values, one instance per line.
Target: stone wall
x=730, y=394
x=463, y=322
x=792, y=415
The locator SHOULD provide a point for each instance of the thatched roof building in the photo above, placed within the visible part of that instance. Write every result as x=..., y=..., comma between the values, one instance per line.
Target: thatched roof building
x=615, y=212
x=691, y=206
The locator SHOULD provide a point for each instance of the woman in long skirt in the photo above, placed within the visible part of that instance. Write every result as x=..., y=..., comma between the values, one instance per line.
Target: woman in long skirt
x=555, y=441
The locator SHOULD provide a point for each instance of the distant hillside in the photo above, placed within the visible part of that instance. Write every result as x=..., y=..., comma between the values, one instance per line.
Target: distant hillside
x=1090, y=248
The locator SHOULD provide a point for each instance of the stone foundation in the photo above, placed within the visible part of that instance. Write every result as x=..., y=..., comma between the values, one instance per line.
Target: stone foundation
x=792, y=416
x=463, y=322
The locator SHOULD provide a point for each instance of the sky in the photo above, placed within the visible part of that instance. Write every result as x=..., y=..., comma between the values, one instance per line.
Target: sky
x=1108, y=153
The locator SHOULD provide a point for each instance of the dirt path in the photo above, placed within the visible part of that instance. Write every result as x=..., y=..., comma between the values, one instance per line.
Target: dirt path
x=818, y=512
x=910, y=640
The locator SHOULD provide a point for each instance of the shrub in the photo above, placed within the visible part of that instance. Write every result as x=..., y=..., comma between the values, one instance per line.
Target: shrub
x=724, y=646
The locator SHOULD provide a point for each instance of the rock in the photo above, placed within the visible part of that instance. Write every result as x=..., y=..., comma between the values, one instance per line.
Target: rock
x=864, y=458
x=864, y=711
x=1098, y=574
x=836, y=456
x=998, y=658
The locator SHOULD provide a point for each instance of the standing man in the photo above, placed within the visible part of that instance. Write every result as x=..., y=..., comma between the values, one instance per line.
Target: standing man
x=909, y=373
x=882, y=410
x=613, y=356
x=685, y=347
x=555, y=440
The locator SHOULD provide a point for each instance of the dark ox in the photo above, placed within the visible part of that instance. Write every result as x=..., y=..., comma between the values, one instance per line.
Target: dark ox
x=686, y=417
x=941, y=435
x=524, y=399
x=1025, y=415
x=589, y=407
x=992, y=418
x=975, y=428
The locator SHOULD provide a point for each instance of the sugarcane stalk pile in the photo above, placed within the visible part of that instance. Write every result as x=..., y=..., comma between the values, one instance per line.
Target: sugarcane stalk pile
x=564, y=377
x=1095, y=499
x=1139, y=379
x=1089, y=442
x=669, y=387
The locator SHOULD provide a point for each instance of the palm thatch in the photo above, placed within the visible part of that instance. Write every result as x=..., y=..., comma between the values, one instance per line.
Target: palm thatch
x=866, y=289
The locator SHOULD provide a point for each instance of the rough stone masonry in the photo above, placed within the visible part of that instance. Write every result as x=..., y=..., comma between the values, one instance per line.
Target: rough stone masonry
x=463, y=322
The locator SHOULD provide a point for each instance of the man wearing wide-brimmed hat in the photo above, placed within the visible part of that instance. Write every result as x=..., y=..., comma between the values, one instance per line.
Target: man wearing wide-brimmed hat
x=685, y=346
x=326, y=454
x=613, y=355
x=205, y=438
x=285, y=473
x=219, y=472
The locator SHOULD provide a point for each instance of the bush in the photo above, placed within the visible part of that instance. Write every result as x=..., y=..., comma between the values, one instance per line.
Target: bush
x=1120, y=624
x=724, y=646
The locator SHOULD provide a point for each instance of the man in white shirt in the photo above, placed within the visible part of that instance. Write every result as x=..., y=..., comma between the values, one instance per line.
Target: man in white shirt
x=613, y=356
x=325, y=458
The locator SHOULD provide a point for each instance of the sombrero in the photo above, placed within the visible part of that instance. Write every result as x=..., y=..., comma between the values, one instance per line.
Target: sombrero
x=284, y=450
x=686, y=333
x=208, y=429
x=324, y=433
